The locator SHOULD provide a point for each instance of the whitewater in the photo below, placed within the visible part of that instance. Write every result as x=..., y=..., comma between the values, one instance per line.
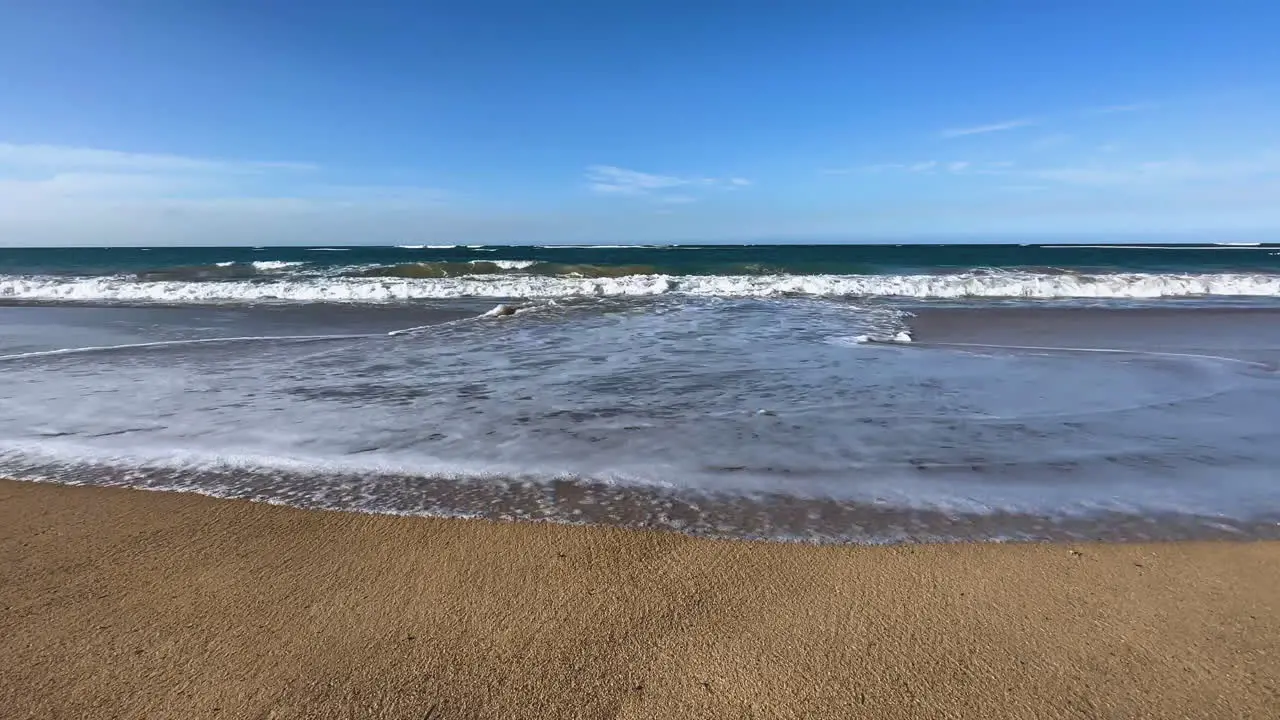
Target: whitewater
x=999, y=284
x=830, y=393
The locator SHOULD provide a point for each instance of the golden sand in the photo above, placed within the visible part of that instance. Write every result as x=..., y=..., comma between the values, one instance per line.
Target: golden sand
x=128, y=604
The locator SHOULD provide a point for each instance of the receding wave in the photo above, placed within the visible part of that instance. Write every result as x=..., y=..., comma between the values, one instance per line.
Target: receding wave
x=399, y=288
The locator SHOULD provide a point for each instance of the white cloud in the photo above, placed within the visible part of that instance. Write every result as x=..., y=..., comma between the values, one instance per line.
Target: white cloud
x=58, y=195
x=983, y=129
x=33, y=173
x=1162, y=172
x=612, y=180
x=58, y=157
x=920, y=167
x=93, y=185
x=1098, y=174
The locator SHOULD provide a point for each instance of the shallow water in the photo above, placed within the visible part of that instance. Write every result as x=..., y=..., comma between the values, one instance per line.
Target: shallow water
x=727, y=416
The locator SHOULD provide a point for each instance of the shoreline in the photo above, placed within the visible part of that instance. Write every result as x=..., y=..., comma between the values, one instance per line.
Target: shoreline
x=121, y=603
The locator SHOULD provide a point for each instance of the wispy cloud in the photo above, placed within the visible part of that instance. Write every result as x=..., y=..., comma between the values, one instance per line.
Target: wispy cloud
x=54, y=179
x=612, y=180
x=916, y=167
x=1265, y=166
x=984, y=129
x=1161, y=172
x=58, y=157
x=920, y=167
x=1100, y=173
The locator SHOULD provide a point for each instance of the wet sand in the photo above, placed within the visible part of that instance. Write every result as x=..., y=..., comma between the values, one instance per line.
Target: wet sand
x=128, y=604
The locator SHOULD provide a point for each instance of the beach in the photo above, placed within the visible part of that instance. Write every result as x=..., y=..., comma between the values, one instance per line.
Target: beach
x=660, y=482
x=122, y=603
x=636, y=361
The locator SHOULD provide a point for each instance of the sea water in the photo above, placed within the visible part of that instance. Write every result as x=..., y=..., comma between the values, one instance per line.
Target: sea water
x=833, y=393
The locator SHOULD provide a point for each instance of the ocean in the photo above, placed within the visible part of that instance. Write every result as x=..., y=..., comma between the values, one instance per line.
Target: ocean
x=826, y=393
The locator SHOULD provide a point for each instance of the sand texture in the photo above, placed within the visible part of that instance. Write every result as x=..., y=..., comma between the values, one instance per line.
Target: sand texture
x=128, y=604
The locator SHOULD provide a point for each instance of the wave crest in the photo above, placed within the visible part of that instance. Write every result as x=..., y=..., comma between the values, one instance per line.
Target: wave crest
x=458, y=269
x=501, y=284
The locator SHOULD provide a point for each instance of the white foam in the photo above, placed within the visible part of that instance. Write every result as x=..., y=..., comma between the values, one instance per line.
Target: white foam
x=902, y=337
x=264, y=265
x=176, y=343
x=508, y=264
x=666, y=398
x=502, y=311
x=268, y=265
x=1098, y=350
x=411, y=247
x=390, y=290
x=598, y=247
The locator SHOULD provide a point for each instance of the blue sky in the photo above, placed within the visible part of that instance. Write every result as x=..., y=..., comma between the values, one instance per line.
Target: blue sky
x=204, y=122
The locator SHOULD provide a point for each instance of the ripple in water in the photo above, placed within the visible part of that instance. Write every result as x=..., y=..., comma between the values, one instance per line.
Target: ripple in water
x=757, y=418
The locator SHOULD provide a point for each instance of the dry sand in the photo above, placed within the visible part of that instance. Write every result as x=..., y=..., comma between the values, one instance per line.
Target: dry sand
x=127, y=604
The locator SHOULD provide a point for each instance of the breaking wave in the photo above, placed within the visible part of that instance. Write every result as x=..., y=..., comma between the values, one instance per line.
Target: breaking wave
x=269, y=265
x=473, y=280
x=457, y=269
x=226, y=270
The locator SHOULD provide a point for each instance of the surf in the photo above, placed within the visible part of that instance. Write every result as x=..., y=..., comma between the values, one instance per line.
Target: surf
x=472, y=281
